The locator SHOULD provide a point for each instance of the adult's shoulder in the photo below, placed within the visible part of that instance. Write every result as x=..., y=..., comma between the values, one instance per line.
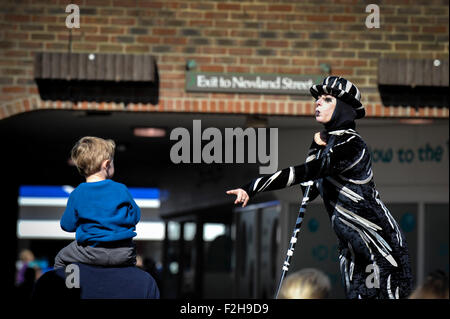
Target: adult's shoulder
x=52, y=285
x=350, y=143
x=117, y=282
x=349, y=137
x=98, y=282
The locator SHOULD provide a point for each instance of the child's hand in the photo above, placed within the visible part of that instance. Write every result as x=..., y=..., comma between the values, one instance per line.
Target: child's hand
x=241, y=196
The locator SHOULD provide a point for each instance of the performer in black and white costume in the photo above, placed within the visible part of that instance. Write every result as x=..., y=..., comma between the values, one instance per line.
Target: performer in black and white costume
x=370, y=240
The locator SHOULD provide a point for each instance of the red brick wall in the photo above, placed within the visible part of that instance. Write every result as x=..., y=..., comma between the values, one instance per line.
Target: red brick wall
x=223, y=36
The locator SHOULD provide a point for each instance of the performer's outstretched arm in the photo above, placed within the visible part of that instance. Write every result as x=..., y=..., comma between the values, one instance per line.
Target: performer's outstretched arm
x=289, y=176
x=336, y=160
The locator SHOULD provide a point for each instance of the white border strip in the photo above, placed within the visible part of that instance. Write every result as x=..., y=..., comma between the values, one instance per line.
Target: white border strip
x=148, y=203
x=62, y=202
x=51, y=229
x=42, y=201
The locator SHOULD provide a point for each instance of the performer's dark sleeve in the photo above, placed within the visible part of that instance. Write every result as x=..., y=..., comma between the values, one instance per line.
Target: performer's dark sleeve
x=337, y=159
x=313, y=153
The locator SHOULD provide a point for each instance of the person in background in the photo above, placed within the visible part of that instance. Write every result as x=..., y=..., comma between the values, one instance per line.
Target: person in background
x=307, y=283
x=25, y=288
x=435, y=286
x=26, y=256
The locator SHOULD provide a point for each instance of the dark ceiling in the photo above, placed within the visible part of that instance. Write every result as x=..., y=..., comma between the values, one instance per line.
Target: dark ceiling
x=38, y=143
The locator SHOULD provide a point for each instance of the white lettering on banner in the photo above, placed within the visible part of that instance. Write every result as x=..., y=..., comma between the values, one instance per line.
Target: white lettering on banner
x=204, y=82
x=290, y=84
x=282, y=84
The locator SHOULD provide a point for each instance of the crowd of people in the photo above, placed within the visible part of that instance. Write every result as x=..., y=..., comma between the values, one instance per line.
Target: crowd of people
x=308, y=283
x=314, y=284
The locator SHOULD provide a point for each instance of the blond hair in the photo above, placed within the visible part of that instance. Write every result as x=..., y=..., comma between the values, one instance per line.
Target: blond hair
x=89, y=153
x=306, y=284
x=435, y=287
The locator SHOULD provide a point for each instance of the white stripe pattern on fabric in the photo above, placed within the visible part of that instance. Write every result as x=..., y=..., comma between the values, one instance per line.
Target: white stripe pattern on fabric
x=334, y=83
x=345, y=191
x=348, y=140
x=371, y=228
x=359, y=182
x=358, y=94
x=310, y=158
x=291, y=176
x=269, y=181
x=347, y=278
x=348, y=86
x=256, y=183
x=352, y=263
x=361, y=234
x=352, y=216
x=356, y=162
x=337, y=132
x=343, y=266
x=391, y=296
x=391, y=220
x=342, y=132
x=383, y=252
x=381, y=240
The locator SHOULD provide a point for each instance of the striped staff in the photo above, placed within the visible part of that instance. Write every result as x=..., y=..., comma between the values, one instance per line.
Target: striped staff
x=298, y=224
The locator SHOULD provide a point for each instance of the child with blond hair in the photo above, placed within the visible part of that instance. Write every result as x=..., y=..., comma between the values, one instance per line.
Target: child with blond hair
x=100, y=211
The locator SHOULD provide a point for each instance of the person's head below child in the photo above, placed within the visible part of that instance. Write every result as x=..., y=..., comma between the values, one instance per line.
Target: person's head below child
x=307, y=283
x=94, y=158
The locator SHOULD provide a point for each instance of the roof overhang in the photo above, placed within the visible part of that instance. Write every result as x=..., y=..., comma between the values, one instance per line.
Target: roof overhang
x=96, y=77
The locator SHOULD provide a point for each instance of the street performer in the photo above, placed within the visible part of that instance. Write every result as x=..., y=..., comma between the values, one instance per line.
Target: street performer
x=340, y=166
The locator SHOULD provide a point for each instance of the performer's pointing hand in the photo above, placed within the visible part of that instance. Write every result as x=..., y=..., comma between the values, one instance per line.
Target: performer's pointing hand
x=241, y=196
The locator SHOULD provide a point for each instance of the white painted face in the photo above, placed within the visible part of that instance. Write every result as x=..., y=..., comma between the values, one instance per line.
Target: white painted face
x=325, y=105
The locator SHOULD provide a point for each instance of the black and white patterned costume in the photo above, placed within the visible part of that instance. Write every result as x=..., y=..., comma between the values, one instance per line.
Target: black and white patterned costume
x=373, y=253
